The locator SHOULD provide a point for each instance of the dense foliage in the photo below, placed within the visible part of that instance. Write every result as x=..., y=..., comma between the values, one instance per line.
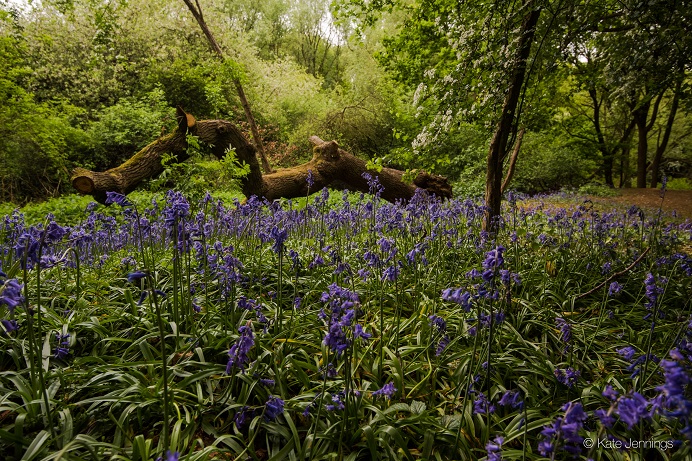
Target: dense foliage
x=344, y=328
x=408, y=84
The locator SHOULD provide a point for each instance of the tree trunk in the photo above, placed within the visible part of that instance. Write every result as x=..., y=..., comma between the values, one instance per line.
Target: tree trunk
x=498, y=145
x=329, y=164
x=513, y=161
x=197, y=13
x=640, y=116
x=661, y=148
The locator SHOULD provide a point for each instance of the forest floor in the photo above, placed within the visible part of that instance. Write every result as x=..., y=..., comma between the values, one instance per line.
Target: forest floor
x=678, y=201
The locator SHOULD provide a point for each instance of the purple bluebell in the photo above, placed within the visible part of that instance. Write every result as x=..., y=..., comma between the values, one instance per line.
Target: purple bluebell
x=273, y=408
x=567, y=376
x=388, y=390
x=309, y=179
x=614, y=289
x=136, y=276
x=494, y=449
x=9, y=325
x=12, y=294
x=632, y=408
x=118, y=199
x=62, y=347
x=511, y=398
x=564, y=432
x=653, y=290
x=241, y=415
x=482, y=405
x=238, y=354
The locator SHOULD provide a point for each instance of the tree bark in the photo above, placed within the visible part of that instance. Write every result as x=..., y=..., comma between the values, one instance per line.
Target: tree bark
x=513, y=161
x=640, y=116
x=661, y=148
x=329, y=164
x=498, y=145
x=197, y=13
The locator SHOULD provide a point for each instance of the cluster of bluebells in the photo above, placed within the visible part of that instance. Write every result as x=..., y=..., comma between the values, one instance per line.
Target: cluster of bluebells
x=169, y=456
x=440, y=326
x=488, y=286
x=567, y=376
x=509, y=399
x=636, y=361
x=387, y=391
x=563, y=433
x=340, y=318
x=273, y=407
x=565, y=332
x=62, y=347
x=238, y=355
x=11, y=297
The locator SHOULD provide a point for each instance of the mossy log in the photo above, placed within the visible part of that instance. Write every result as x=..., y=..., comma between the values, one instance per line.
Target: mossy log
x=328, y=165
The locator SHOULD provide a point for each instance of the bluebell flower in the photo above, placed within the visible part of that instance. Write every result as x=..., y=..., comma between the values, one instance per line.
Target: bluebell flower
x=238, y=354
x=240, y=417
x=632, y=409
x=482, y=405
x=309, y=179
x=610, y=393
x=273, y=408
x=567, y=376
x=387, y=391
x=614, y=289
x=359, y=333
x=442, y=345
x=136, y=276
x=564, y=431
x=565, y=329
x=653, y=291
x=118, y=199
x=438, y=322
x=512, y=399
x=63, y=345
x=494, y=449
x=266, y=382
x=12, y=294
x=9, y=325
x=169, y=456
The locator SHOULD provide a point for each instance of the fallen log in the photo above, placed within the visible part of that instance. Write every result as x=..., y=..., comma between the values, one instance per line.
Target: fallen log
x=329, y=164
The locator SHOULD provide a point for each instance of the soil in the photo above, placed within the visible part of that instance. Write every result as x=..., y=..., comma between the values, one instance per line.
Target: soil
x=676, y=203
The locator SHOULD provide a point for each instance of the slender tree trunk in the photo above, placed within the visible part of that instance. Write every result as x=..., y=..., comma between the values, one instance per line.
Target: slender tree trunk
x=197, y=13
x=640, y=116
x=655, y=165
x=498, y=145
x=513, y=160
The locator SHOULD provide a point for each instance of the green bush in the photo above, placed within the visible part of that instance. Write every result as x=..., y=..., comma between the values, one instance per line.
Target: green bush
x=547, y=163
x=125, y=128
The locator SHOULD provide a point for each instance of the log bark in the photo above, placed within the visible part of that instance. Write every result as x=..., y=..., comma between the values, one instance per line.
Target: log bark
x=329, y=164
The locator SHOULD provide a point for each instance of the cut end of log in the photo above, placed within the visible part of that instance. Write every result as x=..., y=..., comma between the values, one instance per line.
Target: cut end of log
x=81, y=180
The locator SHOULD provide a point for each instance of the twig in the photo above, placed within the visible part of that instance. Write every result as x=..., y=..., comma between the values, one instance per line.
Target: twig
x=615, y=275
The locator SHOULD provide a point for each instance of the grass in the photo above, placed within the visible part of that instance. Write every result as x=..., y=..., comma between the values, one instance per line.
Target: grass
x=343, y=329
